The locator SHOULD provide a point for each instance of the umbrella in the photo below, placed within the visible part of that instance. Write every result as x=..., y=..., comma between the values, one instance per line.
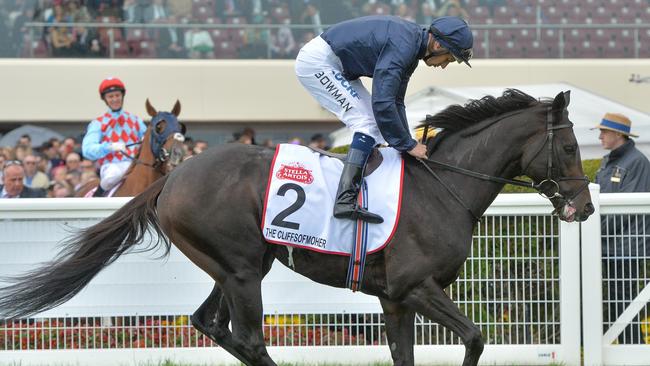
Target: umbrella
x=38, y=134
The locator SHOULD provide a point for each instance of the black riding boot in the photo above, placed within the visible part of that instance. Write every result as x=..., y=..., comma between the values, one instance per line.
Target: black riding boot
x=99, y=192
x=346, y=206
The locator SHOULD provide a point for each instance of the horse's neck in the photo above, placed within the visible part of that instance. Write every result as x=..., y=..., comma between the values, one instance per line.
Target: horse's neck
x=495, y=151
x=141, y=173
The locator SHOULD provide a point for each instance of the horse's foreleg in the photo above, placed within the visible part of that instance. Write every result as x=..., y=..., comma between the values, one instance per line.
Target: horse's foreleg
x=399, y=331
x=430, y=300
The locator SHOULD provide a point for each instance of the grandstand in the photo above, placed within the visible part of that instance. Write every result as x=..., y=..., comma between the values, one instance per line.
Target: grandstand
x=250, y=29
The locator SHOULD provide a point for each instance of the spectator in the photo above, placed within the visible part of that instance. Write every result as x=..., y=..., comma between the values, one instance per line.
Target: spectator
x=137, y=11
x=52, y=159
x=84, y=42
x=25, y=140
x=107, y=8
x=66, y=147
x=87, y=166
x=311, y=15
x=305, y=38
x=624, y=169
x=73, y=178
x=33, y=177
x=180, y=8
x=199, y=44
x=242, y=138
x=21, y=151
x=295, y=141
x=250, y=133
x=12, y=186
x=426, y=14
x=318, y=141
x=403, y=11
x=78, y=13
x=453, y=8
x=169, y=43
x=156, y=12
x=60, y=37
x=107, y=136
x=87, y=176
x=61, y=189
x=3, y=159
x=388, y=49
x=283, y=44
x=59, y=173
x=73, y=162
x=19, y=31
x=200, y=146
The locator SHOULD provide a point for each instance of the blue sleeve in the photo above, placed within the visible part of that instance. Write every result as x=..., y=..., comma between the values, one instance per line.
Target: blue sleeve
x=389, y=84
x=388, y=108
x=92, y=148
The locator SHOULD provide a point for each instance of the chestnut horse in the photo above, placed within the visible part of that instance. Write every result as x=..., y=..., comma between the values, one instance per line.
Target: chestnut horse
x=160, y=152
x=211, y=208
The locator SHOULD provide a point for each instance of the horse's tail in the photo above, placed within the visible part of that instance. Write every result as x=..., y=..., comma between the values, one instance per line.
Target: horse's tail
x=83, y=256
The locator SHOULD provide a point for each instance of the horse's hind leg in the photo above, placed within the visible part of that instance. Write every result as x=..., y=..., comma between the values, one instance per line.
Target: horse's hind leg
x=244, y=297
x=212, y=319
x=430, y=300
x=399, y=331
x=213, y=316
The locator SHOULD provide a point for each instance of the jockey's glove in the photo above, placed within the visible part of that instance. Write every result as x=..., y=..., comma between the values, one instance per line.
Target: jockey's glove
x=118, y=146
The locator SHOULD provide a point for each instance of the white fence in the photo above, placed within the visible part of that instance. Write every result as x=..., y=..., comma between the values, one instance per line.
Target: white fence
x=521, y=285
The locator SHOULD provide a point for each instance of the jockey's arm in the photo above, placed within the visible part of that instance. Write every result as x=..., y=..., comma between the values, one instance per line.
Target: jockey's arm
x=388, y=108
x=92, y=147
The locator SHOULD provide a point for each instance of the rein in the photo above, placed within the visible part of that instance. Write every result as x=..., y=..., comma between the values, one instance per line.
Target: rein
x=548, y=188
x=138, y=161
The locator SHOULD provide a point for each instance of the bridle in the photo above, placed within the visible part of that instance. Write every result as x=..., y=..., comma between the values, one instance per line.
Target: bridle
x=160, y=158
x=157, y=143
x=548, y=188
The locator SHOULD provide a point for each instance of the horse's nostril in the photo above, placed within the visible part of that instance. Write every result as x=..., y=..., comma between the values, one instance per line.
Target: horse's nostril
x=589, y=208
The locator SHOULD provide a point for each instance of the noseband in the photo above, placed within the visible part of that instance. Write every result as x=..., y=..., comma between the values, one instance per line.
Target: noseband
x=548, y=188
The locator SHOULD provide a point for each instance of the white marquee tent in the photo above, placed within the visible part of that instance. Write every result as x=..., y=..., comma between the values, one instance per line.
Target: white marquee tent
x=585, y=110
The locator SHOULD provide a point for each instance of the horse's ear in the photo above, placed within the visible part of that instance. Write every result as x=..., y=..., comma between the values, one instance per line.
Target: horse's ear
x=177, y=108
x=561, y=101
x=183, y=128
x=150, y=109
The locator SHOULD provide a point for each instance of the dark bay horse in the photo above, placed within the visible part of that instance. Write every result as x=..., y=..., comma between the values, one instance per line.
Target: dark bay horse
x=160, y=152
x=211, y=206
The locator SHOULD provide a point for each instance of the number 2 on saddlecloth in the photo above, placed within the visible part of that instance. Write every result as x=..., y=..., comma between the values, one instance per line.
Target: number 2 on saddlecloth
x=278, y=220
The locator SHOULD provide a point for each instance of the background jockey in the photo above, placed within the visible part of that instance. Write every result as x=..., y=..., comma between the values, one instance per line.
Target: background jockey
x=111, y=136
x=388, y=49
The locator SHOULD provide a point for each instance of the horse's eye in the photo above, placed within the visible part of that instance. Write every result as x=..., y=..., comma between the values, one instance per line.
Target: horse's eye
x=571, y=149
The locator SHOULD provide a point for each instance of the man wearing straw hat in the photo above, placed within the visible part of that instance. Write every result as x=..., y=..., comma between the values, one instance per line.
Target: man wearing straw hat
x=624, y=169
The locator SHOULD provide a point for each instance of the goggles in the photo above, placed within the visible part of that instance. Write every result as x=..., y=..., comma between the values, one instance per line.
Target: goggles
x=459, y=54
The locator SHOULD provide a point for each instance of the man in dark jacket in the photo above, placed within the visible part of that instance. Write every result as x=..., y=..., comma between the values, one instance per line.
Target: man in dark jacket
x=624, y=169
x=387, y=49
x=12, y=183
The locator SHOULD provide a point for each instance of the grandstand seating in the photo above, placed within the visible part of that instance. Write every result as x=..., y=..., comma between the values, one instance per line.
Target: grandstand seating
x=518, y=28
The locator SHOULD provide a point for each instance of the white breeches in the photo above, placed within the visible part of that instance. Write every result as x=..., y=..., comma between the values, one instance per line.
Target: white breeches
x=112, y=173
x=320, y=72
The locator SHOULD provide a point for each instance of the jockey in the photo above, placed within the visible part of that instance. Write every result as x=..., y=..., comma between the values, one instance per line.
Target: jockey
x=388, y=49
x=110, y=138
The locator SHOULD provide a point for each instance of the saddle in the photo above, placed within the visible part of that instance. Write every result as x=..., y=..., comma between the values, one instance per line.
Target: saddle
x=374, y=160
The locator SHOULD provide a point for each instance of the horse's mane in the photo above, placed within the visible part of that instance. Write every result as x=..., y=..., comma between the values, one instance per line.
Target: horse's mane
x=457, y=117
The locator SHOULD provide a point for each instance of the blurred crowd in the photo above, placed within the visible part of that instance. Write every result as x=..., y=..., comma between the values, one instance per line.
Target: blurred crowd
x=57, y=168
x=75, y=40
